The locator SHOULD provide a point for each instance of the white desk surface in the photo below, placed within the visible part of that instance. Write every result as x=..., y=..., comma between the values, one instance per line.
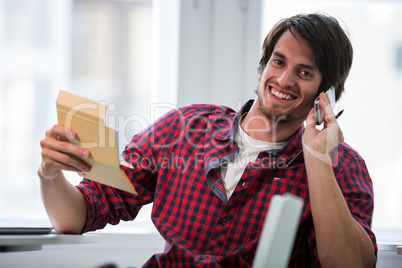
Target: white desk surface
x=389, y=239
x=390, y=246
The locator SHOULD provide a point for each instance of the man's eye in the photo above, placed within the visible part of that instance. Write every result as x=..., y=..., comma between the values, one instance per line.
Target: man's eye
x=305, y=73
x=278, y=62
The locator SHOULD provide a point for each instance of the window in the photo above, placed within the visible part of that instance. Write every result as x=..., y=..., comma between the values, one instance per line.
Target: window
x=102, y=50
x=372, y=97
x=97, y=49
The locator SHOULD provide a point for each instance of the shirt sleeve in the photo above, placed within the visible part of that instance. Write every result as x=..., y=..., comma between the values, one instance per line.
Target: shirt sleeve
x=356, y=186
x=110, y=205
x=355, y=183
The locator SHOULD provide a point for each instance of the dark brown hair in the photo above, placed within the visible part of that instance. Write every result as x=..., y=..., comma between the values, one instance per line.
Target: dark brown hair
x=328, y=41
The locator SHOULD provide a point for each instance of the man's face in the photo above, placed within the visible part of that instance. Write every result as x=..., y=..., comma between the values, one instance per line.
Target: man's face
x=289, y=82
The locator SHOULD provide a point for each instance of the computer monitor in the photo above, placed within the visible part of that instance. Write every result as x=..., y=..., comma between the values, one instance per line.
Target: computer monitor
x=279, y=232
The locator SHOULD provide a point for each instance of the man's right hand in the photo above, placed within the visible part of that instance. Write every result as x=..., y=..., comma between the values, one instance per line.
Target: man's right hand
x=58, y=154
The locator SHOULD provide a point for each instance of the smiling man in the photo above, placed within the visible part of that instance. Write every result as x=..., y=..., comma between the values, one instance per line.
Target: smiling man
x=211, y=172
x=292, y=76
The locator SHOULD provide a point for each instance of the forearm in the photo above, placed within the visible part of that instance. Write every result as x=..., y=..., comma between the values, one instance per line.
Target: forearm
x=65, y=204
x=341, y=240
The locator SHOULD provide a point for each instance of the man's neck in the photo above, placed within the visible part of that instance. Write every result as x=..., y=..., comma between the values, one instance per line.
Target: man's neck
x=259, y=127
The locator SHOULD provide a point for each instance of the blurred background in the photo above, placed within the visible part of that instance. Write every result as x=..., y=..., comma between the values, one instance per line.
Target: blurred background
x=144, y=57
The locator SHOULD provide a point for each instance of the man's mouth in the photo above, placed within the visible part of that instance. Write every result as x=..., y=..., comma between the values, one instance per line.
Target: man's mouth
x=281, y=95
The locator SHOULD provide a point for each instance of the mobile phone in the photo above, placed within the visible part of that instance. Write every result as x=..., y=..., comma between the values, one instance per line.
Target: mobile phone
x=318, y=112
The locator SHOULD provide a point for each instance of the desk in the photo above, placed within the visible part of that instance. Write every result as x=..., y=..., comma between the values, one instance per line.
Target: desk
x=390, y=246
x=12, y=243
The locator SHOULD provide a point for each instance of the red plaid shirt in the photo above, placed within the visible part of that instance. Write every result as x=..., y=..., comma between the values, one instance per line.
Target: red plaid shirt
x=177, y=167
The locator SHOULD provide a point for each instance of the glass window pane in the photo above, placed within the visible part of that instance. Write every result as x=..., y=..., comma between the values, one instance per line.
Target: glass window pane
x=97, y=49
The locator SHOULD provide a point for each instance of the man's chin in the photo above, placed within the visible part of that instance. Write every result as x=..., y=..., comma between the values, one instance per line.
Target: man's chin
x=275, y=116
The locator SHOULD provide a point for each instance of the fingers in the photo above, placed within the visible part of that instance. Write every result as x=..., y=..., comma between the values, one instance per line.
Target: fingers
x=58, y=131
x=330, y=119
x=59, y=154
x=53, y=142
x=310, y=120
x=62, y=161
x=331, y=135
x=325, y=103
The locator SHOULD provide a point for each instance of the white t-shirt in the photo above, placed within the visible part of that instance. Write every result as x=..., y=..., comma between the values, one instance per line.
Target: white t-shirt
x=249, y=150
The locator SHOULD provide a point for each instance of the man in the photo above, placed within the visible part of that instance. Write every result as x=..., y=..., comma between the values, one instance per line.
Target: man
x=211, y=172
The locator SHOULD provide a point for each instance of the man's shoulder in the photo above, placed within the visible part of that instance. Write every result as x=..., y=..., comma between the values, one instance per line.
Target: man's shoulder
x=198, y=112
x=211, y=109
x=349, y=152
x=194, y=115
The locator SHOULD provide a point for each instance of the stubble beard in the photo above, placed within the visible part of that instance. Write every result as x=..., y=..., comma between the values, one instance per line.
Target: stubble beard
x=275, y=117
x=270, y=113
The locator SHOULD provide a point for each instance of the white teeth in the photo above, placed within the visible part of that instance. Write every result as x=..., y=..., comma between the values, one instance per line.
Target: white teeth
x=280, y=95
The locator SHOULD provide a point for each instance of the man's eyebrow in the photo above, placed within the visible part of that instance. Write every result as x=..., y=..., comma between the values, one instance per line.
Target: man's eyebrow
x=310, y=67
x=278, y=54
x=307, y=66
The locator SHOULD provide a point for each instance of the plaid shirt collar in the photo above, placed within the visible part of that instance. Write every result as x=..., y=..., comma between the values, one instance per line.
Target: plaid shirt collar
x=224, y=131
x=221, y=148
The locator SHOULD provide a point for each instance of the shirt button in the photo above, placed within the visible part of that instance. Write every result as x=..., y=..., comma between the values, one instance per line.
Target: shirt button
x=243, y=184
x=224, y=221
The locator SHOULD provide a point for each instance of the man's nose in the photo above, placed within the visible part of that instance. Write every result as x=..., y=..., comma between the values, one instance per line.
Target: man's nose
x=286, y=79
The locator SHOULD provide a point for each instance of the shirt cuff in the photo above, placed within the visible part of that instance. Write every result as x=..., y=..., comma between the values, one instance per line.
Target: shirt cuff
x=92, y=207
